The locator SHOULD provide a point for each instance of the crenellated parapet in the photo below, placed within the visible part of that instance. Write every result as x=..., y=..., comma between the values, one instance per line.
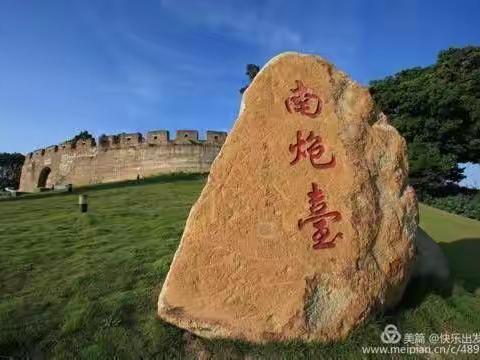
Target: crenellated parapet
x=132, y=140
x=109, y=141
x=67, y=145
x=85, y=145
x=186, y=137
x=119, y=157
x=158, y=137
x=51, y=149
x=216, y=137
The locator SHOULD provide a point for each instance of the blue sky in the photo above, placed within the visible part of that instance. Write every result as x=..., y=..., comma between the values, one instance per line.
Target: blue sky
x=115, y=66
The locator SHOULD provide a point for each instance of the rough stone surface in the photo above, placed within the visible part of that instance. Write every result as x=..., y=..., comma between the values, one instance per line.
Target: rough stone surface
x=120, y=157
x=245, y=267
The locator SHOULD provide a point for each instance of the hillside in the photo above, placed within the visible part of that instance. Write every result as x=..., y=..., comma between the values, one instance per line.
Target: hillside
x=446, y=227
x=85, y=285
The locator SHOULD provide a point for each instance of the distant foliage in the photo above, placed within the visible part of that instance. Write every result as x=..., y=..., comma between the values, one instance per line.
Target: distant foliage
x=437, y=110
x=251, y=71
x=461, y=204
x=10, y=169
x=82, y=135
x=103, y=140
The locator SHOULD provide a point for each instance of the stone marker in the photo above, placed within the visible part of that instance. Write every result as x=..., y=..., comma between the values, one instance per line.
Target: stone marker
x=306, y=225
x=83, y=202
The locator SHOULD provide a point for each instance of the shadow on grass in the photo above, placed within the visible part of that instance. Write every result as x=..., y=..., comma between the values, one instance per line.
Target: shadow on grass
x=167, y=178
x=432, y=273
x=419, y=288
x=464, y=268
x=463, y=256
x=34, y=196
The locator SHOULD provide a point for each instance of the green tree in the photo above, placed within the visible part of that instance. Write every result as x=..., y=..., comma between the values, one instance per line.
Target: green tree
x=251, y=71
x=437, y=110
x=10, y=169
x=82, y=135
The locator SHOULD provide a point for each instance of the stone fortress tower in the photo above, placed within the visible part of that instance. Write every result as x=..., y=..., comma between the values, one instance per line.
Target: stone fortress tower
x=120, y=157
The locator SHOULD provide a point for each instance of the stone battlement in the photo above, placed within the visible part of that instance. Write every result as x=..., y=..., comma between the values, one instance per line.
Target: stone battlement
x=120, y=157
x=128, y=140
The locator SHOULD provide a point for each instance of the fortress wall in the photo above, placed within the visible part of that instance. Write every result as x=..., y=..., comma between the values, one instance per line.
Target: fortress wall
x=120, y=157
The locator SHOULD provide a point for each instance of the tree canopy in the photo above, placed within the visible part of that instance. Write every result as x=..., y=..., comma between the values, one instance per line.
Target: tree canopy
x=251, y=71
x=10, y=169
x=437, y=110
x=82, y=135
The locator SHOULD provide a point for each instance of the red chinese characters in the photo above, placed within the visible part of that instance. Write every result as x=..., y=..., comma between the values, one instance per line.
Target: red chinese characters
x=303, y=101
x=306, y=102
x=313, y=148
x=319, y=216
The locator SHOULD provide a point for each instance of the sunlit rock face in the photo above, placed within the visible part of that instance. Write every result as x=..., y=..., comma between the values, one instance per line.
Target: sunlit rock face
x=306, y=225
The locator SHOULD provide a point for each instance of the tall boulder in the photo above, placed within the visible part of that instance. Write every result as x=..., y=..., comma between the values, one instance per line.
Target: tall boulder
x=306, y=225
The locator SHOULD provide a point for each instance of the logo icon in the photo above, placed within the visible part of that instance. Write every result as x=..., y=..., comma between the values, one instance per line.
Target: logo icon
x=390, y=335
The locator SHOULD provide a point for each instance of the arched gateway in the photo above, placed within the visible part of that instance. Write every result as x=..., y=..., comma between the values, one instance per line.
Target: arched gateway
x=42, y=179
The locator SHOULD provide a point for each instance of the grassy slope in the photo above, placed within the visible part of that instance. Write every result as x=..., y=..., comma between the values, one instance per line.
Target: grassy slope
x=446, y=227
x=85, y=285
x=459, y=238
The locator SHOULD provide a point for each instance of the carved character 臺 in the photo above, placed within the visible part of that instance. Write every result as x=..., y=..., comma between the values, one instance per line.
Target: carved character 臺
x=319, y=216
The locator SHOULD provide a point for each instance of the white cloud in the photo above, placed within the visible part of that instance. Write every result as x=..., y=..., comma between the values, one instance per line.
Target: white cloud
x=250, y=26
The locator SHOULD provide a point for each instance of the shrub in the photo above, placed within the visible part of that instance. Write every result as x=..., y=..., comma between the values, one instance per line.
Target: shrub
x=462, y=204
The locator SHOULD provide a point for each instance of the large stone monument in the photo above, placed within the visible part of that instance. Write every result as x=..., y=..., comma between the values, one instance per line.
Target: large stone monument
x=306, y=225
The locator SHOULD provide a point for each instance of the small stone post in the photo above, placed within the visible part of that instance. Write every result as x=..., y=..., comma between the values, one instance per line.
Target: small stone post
x=83, y=202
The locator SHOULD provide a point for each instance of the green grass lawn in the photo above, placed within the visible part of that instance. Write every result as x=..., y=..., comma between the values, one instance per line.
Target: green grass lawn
x=78, y=285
